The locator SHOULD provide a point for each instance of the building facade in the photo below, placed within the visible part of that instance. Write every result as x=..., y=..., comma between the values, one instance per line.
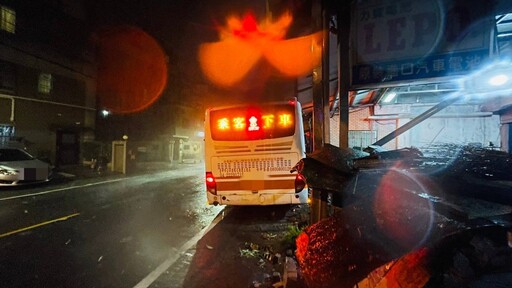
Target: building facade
x=47, y=78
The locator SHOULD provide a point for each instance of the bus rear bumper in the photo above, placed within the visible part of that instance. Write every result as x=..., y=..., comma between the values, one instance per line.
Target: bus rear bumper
x=267, y=198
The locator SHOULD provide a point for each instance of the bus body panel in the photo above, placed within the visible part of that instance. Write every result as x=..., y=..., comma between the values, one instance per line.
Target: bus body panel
x=255, y=172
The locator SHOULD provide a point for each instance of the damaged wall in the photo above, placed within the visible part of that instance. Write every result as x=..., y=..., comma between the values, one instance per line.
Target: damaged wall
x=456, y=124
x=506, y=130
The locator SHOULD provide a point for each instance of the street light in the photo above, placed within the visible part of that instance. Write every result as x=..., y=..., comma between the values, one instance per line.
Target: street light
x=498, y=80
x=492, y=80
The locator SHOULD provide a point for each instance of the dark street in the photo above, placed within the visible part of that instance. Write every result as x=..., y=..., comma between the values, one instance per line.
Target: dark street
x=149, y=230
x=99, y=234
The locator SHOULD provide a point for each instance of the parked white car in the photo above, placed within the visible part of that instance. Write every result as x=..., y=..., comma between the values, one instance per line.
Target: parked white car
x=18, y=167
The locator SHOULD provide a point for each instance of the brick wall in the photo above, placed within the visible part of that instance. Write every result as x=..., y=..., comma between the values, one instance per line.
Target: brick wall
x=358, y=120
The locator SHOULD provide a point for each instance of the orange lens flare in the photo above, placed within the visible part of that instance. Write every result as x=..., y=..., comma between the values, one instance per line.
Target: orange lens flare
x=243, y=42
x=410, y=227
x=132, y=70
x=295, y=57
x=227, y=62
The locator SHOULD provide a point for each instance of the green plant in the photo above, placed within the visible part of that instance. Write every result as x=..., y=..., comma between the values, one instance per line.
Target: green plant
x=291, y=235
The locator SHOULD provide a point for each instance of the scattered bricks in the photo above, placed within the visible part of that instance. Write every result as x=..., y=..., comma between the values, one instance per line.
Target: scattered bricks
x=290, y=269
x=276, y=277
x=484, y=250
x=462, y=266
x=261, y=263
x=267, y=279
x=268, y=236
x=276, y=258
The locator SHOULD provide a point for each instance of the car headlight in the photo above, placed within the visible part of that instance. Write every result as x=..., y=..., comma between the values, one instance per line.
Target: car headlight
x=6, y=171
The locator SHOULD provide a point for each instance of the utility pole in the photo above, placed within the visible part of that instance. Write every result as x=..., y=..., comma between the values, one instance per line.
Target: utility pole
x=343, y=33
x=319, y=205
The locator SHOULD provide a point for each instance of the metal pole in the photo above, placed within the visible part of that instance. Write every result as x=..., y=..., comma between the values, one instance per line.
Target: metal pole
x=343, y=23
x=418, y=119
x=326, y=61
x=320, y=104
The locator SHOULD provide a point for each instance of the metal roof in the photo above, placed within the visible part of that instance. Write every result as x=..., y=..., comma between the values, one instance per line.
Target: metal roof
x=434, y=92
x=504, y=33
x=426, y=91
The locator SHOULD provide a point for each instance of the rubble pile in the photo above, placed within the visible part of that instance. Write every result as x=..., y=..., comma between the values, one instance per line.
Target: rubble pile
x=269, y=263
x=387, y=221
x=482, y=163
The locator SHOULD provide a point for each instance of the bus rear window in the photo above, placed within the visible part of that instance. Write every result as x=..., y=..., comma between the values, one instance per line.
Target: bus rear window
x=253, y=122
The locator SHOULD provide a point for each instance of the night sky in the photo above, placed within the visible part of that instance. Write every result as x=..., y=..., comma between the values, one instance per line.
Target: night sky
x=179, y=27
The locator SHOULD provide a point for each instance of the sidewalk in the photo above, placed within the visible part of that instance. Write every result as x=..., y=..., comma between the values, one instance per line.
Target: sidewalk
x=257, y=254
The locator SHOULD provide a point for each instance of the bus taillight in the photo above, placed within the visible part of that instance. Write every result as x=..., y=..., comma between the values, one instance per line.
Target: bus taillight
x=211, y=185
x=300, y=183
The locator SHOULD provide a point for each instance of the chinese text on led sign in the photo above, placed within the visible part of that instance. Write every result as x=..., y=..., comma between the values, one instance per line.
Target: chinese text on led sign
x=254, y=123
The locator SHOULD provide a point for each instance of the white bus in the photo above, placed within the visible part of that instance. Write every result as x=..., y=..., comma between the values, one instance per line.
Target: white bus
x=249, y=152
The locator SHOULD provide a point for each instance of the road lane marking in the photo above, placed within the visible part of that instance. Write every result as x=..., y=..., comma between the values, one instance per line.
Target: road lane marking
x=60, y=189
x=173, y=257
x=39, y=225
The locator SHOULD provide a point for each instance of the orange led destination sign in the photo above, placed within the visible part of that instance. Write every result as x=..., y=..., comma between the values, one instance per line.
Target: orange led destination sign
x=251, y=123
x=254, y=123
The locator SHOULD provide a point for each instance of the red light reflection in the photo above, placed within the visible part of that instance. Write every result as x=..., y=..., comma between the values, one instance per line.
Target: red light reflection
x=132, y=70
x=397, y=193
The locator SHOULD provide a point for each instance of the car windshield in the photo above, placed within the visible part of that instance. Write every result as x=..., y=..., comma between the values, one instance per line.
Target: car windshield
x=14, y=155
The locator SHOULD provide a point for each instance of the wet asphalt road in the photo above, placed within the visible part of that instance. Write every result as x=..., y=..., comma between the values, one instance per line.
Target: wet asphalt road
x=149, y=230
x=106, y=232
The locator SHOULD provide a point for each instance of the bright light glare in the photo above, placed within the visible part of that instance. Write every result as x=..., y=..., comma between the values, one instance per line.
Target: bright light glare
x=389, y=97
x=104, y=113
x=498, y=80
x=492, y=80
